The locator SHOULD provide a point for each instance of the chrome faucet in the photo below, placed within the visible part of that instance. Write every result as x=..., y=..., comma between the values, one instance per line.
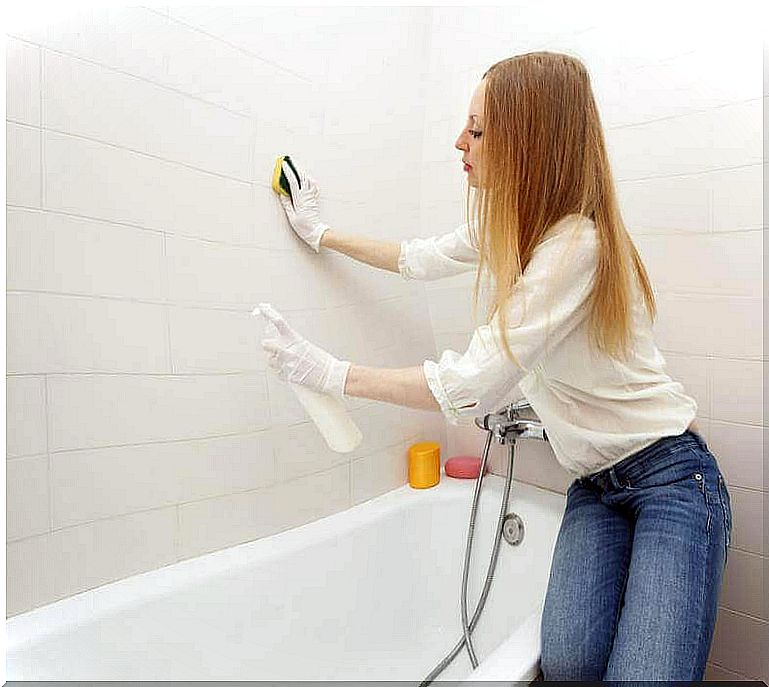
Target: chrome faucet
x=507, y=421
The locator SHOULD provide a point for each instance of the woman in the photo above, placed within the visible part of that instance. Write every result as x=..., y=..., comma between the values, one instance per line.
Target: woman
x=638, y=562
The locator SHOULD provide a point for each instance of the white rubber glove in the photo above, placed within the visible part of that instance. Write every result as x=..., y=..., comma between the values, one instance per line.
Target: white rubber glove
x=303, y=214
x=298, y=361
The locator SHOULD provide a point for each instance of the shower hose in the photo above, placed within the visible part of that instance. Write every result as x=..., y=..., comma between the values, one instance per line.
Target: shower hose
x=467, y=628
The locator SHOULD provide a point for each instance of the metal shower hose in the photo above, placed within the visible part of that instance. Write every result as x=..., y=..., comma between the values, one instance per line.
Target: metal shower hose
x=467, y=628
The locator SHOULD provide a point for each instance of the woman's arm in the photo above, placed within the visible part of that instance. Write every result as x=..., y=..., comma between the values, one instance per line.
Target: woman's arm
x=439, y=256
x=406, y=386
x=381, y=254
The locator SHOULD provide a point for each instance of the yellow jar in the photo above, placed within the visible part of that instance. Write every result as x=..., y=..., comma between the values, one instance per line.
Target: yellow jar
x=424, y=464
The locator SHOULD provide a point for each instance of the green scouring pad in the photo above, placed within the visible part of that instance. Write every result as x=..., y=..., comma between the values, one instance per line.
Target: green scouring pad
x=279, y=181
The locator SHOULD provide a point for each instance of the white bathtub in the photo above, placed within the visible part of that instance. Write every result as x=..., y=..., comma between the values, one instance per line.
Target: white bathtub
x=371, y=593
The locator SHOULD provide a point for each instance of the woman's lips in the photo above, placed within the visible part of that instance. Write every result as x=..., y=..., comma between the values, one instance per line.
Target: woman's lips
x=467, y=167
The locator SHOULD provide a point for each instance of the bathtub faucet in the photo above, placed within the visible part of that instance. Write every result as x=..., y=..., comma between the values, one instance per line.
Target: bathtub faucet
x=508, y=421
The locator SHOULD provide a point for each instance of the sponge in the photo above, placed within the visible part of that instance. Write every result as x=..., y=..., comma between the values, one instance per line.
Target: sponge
x=280, y=181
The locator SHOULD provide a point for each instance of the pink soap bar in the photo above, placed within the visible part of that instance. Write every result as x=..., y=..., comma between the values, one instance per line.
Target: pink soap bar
x=464, y=467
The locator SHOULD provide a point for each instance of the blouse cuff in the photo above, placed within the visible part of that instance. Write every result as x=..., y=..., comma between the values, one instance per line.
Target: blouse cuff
x=439, y=392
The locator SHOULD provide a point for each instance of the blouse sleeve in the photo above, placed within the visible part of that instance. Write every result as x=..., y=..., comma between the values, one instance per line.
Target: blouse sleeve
x=547, y=304
x=438, y=256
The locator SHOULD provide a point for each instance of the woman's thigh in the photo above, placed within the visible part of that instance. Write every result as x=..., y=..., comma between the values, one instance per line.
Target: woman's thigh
x=587, y=578
x=682, y=526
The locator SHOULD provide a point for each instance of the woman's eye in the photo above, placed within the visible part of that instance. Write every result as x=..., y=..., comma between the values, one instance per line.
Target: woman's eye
x=475, y=134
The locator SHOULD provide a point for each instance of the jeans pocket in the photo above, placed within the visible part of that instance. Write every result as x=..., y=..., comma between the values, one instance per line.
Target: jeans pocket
x=726, y=506
x=681, y=465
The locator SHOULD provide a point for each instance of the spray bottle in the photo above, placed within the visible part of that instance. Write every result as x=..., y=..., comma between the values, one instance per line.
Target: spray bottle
x=326, y=411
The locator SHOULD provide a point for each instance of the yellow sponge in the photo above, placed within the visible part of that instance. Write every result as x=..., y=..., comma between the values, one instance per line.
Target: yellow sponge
x=279, y=181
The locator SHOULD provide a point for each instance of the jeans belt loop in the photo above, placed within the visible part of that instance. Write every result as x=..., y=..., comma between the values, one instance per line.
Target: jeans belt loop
x=603, y=480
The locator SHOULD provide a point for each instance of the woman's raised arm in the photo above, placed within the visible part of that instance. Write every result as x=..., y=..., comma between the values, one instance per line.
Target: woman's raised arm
x=381, y=254
x=417, y=258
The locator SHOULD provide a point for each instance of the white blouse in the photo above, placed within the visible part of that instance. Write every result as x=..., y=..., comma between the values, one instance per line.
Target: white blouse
x=596, y=410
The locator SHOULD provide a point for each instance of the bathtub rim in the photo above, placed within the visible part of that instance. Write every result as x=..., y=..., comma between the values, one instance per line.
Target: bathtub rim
x=522, y=647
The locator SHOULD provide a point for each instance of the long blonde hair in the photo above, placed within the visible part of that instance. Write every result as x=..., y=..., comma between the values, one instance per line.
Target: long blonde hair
x=543, y=158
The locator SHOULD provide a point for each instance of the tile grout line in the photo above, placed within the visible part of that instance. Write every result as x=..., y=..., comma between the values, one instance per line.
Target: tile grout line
x=635, y=232
x=236, y=47
x=40, y=123
x=680, y=175
x=273, y=485
x=177, y=505
x=177, y=534
x=265, y=185
x=234, y=307
x=691, y=113
x=46, y=410
x=153, y=156
x=166, y=308
x=138, y=77
x=742, y=614
x=188, y=237
x=728, y=670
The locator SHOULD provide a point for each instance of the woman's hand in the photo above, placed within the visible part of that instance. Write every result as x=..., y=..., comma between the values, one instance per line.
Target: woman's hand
x=298, y=361
x=302, y=208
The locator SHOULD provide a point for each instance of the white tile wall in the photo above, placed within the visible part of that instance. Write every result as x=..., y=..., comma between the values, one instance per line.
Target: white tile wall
x=22, y=87
x=238, y=517
x=142, y=229
x=63, y=562
x=300, y=450
x=217, y=274
x=697, y=80
x=204, y=340
x=128, y=39
x=693, y=373
x=27, y=494
x=377, y=473
x=739, y=643
x=742, y=590
x=737, y=390
x=100, y=410
x=94, y=484
x=67, y=254
x=710, y=262
x=99, y=103
x=22, y=150
x=245, y=28
x=25, y=416
x=714, y=325
x=52, y=333
x=661, y=148
x=144, y=424
x=666, y=205
x=744, y=183
x=747, y=507
x=120, y=185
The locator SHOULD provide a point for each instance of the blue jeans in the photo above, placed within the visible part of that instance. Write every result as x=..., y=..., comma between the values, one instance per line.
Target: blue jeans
x=637, y=567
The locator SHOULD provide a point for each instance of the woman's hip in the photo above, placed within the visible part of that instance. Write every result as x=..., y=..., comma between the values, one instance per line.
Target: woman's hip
x=668, y=460
x=676, y=482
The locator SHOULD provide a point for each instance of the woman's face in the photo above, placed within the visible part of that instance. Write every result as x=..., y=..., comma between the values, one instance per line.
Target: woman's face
x=469, y=141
